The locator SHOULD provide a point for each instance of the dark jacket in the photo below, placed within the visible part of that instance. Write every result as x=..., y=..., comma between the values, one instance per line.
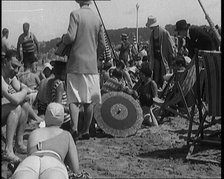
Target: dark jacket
x=199, y=39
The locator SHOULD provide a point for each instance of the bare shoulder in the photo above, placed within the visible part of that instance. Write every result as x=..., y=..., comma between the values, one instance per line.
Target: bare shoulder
x=42, y=134
x=35, y=133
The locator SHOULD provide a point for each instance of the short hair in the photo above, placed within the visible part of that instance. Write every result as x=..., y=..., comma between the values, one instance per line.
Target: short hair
x=117, y=73
x=144, y=59
x=58, y=67
x=5, y=31
x=121, y=64
x=180, y=61
x=26, y=24
x=146, y=70
x=11, y=53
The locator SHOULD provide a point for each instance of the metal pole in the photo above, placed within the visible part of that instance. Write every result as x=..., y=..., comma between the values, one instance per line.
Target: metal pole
x=137, y=6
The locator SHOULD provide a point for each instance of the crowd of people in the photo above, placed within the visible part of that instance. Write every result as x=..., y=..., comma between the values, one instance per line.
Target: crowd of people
x=64, y=88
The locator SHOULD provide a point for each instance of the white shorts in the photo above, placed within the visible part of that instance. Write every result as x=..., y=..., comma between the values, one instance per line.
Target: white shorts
x=38, y=165
x=83, y=88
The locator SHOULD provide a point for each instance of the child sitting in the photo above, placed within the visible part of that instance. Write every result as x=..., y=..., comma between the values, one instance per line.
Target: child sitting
x=147, y=91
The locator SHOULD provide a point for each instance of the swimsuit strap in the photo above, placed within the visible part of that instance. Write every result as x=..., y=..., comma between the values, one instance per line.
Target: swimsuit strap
x=47, y=151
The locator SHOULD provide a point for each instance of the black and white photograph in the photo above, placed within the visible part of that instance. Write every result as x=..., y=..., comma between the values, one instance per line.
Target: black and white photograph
x=111, y=89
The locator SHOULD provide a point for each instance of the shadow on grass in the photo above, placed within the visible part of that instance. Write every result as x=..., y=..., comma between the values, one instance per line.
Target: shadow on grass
x=174, y=153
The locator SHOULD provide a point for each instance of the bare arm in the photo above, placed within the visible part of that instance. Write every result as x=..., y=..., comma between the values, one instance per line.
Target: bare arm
x=15, y=98
x=71, y=158
x=154, y=89
x=127, y=78
x=19, y=43
x=37, y=79
x=59, y=94
x=36, y=42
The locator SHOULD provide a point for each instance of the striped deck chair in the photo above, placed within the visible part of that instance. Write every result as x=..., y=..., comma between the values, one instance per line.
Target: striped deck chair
x=183, y=83
x=106, y=56
x=212, y=115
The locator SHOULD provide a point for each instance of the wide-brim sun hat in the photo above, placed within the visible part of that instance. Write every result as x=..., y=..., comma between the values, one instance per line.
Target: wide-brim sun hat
x=54, y=115
x=151, y=21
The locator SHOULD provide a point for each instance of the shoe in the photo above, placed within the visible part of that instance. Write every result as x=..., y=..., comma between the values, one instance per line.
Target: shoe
x=21, y=150
x=42, y=124
x=12, y=166
x=84, y=136
x=11, y=158
x=75, y=135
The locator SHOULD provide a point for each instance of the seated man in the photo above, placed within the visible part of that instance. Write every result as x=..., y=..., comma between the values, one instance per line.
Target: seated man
x=13, y=114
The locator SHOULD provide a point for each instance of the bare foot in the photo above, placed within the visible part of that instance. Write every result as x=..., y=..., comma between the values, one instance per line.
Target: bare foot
x=10, y=156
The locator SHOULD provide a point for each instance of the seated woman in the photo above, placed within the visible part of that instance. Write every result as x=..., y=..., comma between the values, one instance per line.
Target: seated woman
x=13, y=111
x=50, y=149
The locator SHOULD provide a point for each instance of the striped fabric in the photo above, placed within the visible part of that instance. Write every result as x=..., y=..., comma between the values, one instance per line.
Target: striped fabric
x=187, y=80
x=107, y=51
x=64, y=97
x=28, y=44
x=112, y=84
x=212, y=63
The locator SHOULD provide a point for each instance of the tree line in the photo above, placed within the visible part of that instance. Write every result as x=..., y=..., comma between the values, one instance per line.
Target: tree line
x=114, y=36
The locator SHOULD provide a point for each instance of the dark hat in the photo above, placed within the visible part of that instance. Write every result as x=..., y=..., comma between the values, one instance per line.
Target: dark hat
x=145, y=69
x=124, y=36
x=84, y=1
x=181, y=25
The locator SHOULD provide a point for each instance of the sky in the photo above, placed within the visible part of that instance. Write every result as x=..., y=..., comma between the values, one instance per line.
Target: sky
x=49, y=19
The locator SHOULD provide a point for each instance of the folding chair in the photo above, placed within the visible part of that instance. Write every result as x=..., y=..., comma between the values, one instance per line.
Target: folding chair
x=212, y=115
x=183, y=85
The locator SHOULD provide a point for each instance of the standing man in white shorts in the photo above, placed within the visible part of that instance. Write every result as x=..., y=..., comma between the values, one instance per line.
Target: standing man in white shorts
x=85, y=33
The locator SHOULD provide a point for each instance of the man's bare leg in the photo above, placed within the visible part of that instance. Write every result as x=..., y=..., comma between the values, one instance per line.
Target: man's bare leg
x=21, y=128
x=11, y=125
x=88, y=115
x=74, y=113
